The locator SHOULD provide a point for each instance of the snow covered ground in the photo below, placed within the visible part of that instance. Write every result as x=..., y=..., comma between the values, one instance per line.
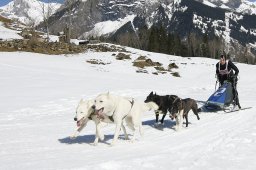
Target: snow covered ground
x=39, y=94
x=7, y=34
x=107, y=27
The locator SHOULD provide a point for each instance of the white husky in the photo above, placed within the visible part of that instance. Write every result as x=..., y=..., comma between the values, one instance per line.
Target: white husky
x=117, y=109
x=84, y=112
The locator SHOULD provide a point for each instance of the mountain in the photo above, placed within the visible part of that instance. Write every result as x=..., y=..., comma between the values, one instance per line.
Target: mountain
x=230, y=22
x=29, y=12
x=241, y=6
x=93, y=16
x=123, y=19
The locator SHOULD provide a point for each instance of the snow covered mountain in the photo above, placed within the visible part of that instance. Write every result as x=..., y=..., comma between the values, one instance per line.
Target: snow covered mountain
x=183, y=17
x=28, y=11
x=113, y=19
x=241, y=6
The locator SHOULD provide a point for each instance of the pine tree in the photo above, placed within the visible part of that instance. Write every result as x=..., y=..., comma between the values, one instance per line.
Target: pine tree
x=143, y=34
x=205, y=46
x=163, y=41
x=170, y=43
x=153, y=44
x=177, y=45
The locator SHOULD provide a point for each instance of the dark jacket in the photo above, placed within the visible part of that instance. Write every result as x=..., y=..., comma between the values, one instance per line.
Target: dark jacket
x=231, y=67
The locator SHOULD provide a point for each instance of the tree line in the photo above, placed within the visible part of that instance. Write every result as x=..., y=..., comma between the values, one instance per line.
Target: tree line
x=157, y=39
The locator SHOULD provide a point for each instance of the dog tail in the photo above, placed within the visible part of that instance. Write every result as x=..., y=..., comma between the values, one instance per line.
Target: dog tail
x=195, y=109
x=151, y=106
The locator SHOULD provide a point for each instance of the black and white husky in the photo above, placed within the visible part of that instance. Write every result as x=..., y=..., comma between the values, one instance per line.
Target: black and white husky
x=180, y=109
x=164, y=104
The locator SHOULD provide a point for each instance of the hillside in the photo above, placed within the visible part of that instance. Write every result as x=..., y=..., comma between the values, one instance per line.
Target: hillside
x=39, y=95
x=6, y=33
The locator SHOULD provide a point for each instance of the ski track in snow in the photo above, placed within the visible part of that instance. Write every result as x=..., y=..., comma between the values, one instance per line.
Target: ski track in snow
x=36, y=136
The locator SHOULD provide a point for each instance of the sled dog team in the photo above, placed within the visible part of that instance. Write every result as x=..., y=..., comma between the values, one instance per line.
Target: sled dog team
x=107, y=108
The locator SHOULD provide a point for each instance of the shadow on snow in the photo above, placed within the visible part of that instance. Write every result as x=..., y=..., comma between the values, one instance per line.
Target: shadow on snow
x=90, y=138
x=167, y=124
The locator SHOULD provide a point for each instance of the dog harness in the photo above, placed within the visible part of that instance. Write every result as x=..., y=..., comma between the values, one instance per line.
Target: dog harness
x=171, y=115
x=225, y=71
x=111, y=117
x=175, y=100
x=132, y=102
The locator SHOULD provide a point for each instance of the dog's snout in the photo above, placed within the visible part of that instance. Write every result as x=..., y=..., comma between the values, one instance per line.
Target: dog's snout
x=75, y=119
x=93, y=107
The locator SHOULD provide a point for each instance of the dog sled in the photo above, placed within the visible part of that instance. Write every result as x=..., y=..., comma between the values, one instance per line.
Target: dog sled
x=225, y=98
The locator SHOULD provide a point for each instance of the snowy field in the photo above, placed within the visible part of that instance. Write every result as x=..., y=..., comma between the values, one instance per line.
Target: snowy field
x=39, y=94
x=7, y=34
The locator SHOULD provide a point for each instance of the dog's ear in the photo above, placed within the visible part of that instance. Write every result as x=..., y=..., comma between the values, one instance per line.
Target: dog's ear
x=81, y=101
x=90, y=103
x=108, y=94
x=151, y=93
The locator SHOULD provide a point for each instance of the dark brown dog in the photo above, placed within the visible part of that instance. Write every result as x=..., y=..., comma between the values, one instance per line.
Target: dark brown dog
x=164, y=103
x=183, y=106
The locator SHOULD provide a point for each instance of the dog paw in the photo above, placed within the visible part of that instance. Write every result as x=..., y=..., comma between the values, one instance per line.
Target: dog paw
x=157, y=124
x=112, y=144
x=132, y=140
x=102, y=138
x=176, y=128
x=94, y=143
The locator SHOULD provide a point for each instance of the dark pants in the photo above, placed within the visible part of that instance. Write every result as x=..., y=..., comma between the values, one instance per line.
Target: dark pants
x=235, y=94
x=233, y=80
